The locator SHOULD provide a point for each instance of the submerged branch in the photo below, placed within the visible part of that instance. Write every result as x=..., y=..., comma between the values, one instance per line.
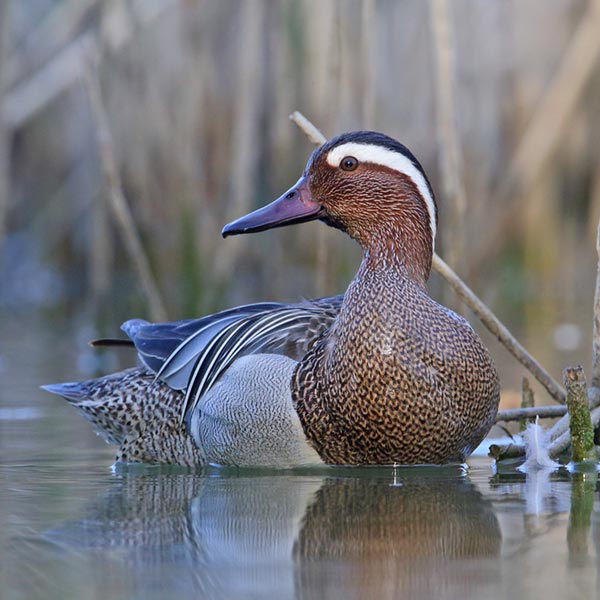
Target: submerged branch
x=486, y=316
x=543, y=412
x=556, y=448
x=504, y=452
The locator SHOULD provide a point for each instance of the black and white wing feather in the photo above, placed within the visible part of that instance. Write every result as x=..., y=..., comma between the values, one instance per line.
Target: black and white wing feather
x=191, y=355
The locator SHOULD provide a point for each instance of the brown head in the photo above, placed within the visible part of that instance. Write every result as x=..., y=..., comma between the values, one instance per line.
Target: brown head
x=370, y=186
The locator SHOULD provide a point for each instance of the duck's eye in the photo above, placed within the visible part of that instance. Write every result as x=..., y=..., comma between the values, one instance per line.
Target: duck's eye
x=349, y=163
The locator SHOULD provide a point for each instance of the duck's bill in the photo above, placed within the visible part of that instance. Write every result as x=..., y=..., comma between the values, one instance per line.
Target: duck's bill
x=295, y=206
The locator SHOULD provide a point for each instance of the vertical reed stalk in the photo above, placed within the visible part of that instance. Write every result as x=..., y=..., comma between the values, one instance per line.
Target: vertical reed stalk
x=449, y=152
x=369, y=87
x=118, y=204
x=328, y=98
x=540, y=258
x=100, y=252
x=543, y=134
x=4, y=132
x=245, y=139
x=527, y=401
x=593, y=215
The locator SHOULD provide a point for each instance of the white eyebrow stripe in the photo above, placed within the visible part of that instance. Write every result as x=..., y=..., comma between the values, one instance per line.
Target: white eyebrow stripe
x=392, y=160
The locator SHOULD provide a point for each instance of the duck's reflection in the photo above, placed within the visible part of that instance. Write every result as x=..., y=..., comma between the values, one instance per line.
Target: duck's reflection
x=377, y=534
x=413, y=540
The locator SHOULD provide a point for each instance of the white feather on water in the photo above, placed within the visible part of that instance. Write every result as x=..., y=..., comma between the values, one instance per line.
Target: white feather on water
x=537, y=442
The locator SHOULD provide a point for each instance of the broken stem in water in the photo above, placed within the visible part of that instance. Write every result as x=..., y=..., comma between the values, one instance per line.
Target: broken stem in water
x=580, y=422
x=556, y=448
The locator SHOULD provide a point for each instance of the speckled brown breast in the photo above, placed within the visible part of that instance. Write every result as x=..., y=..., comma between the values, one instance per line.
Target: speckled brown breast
x=398, y=379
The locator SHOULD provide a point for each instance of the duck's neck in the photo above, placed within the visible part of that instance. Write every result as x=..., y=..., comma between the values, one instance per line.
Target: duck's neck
x=348, y=389
x=394, y=250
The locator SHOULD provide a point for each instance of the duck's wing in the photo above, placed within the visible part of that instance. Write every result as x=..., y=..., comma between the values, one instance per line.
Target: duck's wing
x=191, y=355
x=156, y=342
x=290, y=330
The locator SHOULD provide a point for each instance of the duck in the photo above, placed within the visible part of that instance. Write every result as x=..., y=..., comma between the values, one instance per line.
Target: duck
x=382, y=374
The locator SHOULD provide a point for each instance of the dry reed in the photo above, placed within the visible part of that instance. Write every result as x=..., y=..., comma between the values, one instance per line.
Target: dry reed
x=4, y=133
x=118, y=204
x=544, y=132
x=449, y=150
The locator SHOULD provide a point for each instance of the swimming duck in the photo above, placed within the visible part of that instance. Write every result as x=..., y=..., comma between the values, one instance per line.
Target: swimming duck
x=380, y=375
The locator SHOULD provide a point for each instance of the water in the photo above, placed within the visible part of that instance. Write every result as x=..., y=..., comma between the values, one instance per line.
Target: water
x=70, y=527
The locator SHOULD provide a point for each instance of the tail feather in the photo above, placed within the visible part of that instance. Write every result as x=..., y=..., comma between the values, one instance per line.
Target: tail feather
x=137, y=413
x=73, y=392
x=112, y=404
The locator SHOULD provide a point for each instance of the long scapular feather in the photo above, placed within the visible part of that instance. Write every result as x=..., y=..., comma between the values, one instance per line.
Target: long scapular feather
x=176, y=369
x=248, y=335
x=177, y=365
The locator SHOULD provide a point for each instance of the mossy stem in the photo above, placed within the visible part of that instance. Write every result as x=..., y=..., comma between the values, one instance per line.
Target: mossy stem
x=580, y=421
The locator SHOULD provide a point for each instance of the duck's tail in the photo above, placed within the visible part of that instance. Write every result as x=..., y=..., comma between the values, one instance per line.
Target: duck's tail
x=113, y=404
x=137, y=413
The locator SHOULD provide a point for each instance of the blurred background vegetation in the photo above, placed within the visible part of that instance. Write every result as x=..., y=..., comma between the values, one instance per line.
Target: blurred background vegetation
x=499, y=100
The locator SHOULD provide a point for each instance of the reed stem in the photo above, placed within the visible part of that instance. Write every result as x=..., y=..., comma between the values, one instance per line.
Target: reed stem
x=117, y=203
x=580, y=422
x=527, y=401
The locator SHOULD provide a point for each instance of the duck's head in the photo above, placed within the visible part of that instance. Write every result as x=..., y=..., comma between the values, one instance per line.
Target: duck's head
x=368, y=185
